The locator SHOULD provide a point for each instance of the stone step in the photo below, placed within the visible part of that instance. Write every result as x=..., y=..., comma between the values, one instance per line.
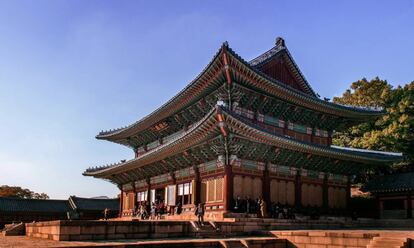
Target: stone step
x=14, y=229
x=384, y=246
x=389, y=242
x=232, y=244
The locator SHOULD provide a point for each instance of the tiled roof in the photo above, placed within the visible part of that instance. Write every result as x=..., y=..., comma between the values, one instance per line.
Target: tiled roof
x=391, y=183
x=275, y=51
x=93, y=204
x=33, y=205
x=241, y=126
x=279, y=89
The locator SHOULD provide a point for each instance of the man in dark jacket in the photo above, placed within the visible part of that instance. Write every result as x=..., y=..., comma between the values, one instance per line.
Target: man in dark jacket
x=199, y=212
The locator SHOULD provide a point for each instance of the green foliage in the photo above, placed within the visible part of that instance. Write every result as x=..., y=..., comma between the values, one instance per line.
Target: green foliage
x=392, y=132
x=18, y=192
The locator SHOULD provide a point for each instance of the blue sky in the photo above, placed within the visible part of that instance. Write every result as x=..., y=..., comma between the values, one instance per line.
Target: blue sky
x=69, y=69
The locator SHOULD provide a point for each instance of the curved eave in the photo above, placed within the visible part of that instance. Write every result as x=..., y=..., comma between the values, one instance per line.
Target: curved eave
x=207, y=127
x=394, y=183
x=266, y=84
x=399, y=190
x=196, y=135
x=238, y=125
x=181, y=99
x=274, y=87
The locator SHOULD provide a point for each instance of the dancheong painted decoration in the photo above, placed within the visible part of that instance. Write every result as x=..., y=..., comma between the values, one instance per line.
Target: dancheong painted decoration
x=241, y=129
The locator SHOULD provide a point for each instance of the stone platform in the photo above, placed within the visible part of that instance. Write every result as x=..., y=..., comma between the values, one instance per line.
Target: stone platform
x=297, y=233
x=253, y=242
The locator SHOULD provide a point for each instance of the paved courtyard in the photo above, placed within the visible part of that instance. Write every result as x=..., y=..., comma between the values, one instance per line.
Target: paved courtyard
x=23, y=241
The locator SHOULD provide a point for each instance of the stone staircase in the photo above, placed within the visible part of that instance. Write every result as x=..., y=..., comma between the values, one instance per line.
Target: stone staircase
x=14, y=229
x=233, y=244
x=208, y=230
x=266, y=242
x=388, y=242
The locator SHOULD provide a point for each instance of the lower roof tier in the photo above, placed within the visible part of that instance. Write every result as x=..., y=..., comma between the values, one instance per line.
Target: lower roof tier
x=394, y=183
x=221, y=132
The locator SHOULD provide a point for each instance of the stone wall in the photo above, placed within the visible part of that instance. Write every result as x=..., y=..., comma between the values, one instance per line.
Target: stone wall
x=325, y=239
x=104, y=230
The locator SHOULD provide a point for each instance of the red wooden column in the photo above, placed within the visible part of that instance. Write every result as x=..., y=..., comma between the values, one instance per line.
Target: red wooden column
x=135, y=197
x=266, y=185
x=197, y=186
x=348, y=192
x=409, y=206
x=121, y=203
x=228, y=188
x=298, y=189
x=380, y=206
x=149, y=190
x=325, y=200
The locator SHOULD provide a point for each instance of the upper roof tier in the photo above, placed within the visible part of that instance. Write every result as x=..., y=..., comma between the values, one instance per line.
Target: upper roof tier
x=274, y=73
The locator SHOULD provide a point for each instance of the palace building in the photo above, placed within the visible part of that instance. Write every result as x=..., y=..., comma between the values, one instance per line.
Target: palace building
x=243, y=129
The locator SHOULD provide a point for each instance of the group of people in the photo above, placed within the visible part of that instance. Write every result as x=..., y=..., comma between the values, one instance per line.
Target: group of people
x=259, y=206
x=144, y=210
x=155, y=210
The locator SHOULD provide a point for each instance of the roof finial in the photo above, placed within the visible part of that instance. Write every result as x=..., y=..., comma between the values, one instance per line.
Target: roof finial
x=280, y=42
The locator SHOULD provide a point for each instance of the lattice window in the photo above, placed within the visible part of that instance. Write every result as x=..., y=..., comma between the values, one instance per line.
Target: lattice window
x=237, y=186
x=203, y=194
x=305, y=194
x=257, y=187
x=219, y=189
x=214, y=189
x=185, y=191
x=142, y=196
x=281, y=189
x=210, y=191
x=290, y=193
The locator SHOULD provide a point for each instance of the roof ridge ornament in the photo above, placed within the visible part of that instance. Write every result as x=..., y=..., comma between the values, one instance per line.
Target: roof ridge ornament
x=280, y=42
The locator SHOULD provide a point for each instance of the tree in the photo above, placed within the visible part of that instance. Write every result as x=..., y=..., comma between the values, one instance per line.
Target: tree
x=18, y=192
x=394, y=131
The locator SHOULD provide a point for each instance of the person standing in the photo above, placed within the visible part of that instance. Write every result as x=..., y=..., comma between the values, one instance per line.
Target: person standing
x=199, y=212
x=247, y=205
x=263, y=208
x=106, y=213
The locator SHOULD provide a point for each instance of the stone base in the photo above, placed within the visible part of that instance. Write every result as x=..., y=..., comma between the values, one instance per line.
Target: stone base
x=164, y=229
x=107, y=230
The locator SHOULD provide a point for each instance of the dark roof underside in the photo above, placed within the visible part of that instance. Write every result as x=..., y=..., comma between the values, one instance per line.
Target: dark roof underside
x=94, y=204
x=391, y=183
x=33, y=205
